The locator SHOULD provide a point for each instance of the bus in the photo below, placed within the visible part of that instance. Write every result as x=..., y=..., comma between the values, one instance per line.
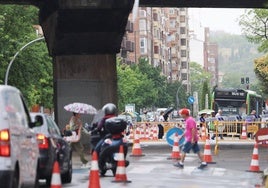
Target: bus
x=236, y=101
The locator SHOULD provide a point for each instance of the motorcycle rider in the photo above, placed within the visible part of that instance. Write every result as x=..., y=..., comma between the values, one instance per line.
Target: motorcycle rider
x=110, y=110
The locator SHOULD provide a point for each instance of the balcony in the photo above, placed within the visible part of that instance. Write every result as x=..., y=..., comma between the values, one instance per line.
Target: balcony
x=129, y=27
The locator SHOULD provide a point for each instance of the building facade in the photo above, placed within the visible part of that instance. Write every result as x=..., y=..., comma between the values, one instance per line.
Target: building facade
x=162, y=36
x=211, y=58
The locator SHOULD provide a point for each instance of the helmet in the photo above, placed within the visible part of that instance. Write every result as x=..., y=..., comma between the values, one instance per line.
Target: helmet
x=109, y=109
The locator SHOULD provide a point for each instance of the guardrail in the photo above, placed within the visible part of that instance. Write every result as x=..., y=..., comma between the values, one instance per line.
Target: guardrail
x=227, y=128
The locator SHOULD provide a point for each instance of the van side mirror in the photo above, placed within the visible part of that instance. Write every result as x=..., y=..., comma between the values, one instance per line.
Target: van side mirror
x=38, y=121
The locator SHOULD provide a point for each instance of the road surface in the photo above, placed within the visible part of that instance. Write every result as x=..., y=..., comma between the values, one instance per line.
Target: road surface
x=155, y=171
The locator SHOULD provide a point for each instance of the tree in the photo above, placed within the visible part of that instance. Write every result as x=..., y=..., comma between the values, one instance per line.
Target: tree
x=254, y=25
x=261, y=69
x=134, y=87
x=32, y=70
x=143, y=85
x=198, y=75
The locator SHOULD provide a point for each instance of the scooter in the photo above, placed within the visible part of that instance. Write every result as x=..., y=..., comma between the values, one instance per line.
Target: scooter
x=110, y=147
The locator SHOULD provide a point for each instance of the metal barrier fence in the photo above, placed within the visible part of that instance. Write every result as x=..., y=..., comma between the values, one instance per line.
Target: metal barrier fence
x=227, y=128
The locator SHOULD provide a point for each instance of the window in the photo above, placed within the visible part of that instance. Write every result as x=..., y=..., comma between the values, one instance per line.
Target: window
x=183, y=53
x=184, y=65
x=142, y=25
x=171, y=11
x=182, y=18
x=172, y=23
x=184, y=76
x=156, y=49
x=182, y=9
x=183, y=30
x=183, y=42
x=143, y=45
x=155, y=17
x=142, y=13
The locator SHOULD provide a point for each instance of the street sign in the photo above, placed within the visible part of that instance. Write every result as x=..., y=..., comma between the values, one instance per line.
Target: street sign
x=262, y=137
x=171, y=134
x=252, y=128
x=130, y=108
x=191, y=100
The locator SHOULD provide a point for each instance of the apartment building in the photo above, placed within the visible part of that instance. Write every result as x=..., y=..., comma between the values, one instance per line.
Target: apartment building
x=162, y=36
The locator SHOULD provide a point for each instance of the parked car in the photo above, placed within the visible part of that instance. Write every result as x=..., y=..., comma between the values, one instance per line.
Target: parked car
x=52, y=148
x=19, y=151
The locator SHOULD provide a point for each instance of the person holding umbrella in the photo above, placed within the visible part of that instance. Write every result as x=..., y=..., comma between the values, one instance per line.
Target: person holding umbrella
x=76, y=126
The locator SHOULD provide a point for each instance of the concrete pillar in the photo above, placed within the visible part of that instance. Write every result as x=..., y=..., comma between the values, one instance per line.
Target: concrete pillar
x=89, y=79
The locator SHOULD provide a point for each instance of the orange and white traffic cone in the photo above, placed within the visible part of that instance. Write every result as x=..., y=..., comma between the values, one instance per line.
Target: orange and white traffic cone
x=121, y=175
x=175, y=149
x=56, y=179
x=203, y=133
x=207, y=153
x=94, y=179
x=244, y=133
x=155, y=133
x=254, y=165
x=131, y=135
x=136, y=148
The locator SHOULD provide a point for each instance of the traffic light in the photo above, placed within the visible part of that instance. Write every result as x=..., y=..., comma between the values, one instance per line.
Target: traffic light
x=242, y=80
x=247, y=80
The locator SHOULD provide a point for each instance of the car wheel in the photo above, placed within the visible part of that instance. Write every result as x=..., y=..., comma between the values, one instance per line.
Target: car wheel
x=48, y=180
x=67, y=177
x=16, y=178
x=114, y=171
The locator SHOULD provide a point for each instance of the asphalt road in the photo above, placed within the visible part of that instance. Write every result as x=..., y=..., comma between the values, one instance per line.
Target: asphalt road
x=155, y=171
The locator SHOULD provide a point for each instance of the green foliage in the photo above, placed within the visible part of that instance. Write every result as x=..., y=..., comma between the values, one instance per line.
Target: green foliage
x=198, y=76
x=261, y=69
x=143, y=85
x=32, y=69
x=205, y=91
x=254, y=25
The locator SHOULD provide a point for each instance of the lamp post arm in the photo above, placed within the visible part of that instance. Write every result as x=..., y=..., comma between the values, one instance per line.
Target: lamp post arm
x=16, y=54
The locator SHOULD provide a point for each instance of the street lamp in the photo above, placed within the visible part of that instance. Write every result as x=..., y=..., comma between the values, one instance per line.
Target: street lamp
x=17, y=53
x=177, y=96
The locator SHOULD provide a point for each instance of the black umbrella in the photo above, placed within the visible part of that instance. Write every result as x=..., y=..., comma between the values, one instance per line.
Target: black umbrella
x=167, y=112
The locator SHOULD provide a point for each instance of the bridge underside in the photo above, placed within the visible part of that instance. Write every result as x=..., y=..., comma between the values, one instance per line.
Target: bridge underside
x=170, y=3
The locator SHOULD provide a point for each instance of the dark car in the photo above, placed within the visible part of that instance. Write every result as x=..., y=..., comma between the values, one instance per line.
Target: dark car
x=52, y=148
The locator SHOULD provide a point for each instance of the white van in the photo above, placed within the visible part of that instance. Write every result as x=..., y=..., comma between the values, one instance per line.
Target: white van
x=19, y=150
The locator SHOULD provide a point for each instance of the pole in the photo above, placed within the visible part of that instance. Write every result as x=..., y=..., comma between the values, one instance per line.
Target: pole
x=135, y=46
x=177, y=96
x=17, y=53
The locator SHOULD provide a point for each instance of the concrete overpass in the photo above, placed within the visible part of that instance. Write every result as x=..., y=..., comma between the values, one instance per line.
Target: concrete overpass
x=83, y=37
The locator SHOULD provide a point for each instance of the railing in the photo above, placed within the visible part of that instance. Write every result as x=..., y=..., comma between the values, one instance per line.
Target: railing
x=227, y=128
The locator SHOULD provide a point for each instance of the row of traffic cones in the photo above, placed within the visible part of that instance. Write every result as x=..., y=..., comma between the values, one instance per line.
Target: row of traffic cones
x=94, y=179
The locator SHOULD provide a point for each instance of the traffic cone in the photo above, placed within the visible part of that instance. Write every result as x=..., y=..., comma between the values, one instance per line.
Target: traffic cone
x=254, y=165
x=136, y=148
x=244, y=133
x=155, y=133
x=175, y=149
x=131, y=135
x=120, y=175
x=203, y=133
x=207, y=153
x=56, y=179
x=94, y=179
